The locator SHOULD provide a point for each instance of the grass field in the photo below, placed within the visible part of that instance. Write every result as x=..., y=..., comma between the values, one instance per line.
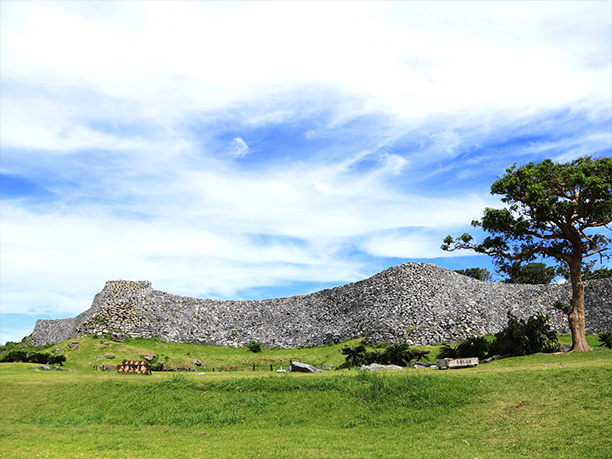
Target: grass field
x=541, y=406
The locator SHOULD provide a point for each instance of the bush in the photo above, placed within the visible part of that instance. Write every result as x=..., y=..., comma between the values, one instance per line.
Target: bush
x=354, y=354
x=15, y=355
x=399, y=354
x=57, y=360
x=475, y=346
x=255, y=346
x=522, y=337
x=418, y=354
x=387, y=354
x=39, y=357
x=376, y=356
x=605, y=339
x=17, y=352
x=448, y=351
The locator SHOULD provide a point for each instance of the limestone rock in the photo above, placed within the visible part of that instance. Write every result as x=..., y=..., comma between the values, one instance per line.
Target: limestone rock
x=376, y=367
x=304, y=368
x=414, y=302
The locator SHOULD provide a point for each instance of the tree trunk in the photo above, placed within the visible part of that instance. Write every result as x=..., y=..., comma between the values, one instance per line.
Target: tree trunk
x=576, y=316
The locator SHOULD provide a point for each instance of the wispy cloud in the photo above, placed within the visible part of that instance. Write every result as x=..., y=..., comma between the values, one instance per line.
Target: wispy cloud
x=238, y=149
x=223, y=148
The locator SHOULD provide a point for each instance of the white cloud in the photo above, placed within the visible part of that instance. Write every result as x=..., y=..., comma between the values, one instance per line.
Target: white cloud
x=201, y=230
x=119, y=107
x=238, y=149
x=412, y=61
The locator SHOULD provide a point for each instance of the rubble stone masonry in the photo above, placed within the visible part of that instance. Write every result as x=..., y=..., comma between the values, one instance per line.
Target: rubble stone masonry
x=414, y=302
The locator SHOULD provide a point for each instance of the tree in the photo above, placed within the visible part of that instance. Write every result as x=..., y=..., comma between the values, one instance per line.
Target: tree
x=603, y=273
x=476, y=273
x=531, y=273
x=553, y=210
x=588, y=273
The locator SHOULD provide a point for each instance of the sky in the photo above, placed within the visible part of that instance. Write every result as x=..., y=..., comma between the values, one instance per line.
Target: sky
x=251, y=150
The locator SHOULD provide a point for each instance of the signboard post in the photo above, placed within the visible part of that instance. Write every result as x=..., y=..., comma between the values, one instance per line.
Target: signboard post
x=455, y=363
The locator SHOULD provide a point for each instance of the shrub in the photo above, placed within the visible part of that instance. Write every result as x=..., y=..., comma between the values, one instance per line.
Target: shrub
x=392, y=354
x=399, y=354
x=376, y=356
x=56, y=360
x=15, y=355
x=157, y=366
x=255, y=346
x=605, y=339
x=354, y=354
x=474, y=346
x=418, y=354
x=522, y=337
x=447, y=351
x=39, y=357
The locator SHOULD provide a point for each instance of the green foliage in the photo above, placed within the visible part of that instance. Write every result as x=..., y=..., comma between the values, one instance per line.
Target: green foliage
x=375, y=356
x=538, y=196
x=552, y=210
x=522, y=337
x=603, y=273
x=18, y=355
x=255, y=346
x=15, y=355
x=99, y=319
x=474, y=346
x=354, y=354
x=518, y=338
x=398, y=354
x=419, y=354
x=447, y=351
x=588, y=272
x=39, y=357
x=531, y=273
x=22, y=345
x=56, y=359
x=605, y=339
x=384, y=354
x=476, y=273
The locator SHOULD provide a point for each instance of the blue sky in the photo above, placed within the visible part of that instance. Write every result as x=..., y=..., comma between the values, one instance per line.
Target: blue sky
x=247, y=150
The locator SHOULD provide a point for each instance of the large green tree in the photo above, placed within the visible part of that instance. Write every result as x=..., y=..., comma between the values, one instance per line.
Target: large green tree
x=531, y=273
x=476, y=273
x=556, y=210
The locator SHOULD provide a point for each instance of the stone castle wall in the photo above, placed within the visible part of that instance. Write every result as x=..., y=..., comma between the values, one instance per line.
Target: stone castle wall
x=421, y=303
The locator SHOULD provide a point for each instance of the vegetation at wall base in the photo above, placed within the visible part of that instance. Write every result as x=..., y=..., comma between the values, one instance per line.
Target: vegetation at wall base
x=400, y=354
x=26, y=352
x=255, y=346
x=520, y=337
x=524, y=337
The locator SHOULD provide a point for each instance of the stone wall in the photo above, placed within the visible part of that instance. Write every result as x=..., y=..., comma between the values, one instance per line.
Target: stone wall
x=422, y=303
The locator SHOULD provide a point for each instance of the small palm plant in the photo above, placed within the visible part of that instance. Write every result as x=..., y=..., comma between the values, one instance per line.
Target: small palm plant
x=354, y=354
x=605, y=339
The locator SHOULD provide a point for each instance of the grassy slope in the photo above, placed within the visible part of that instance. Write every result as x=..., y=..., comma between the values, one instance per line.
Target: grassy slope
x=91, y=351
x=548, y=406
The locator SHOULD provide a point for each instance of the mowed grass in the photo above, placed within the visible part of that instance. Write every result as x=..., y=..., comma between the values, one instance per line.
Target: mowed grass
x=542, y=406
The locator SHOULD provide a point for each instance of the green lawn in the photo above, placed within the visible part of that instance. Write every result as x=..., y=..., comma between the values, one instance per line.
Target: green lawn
x=541, y=406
